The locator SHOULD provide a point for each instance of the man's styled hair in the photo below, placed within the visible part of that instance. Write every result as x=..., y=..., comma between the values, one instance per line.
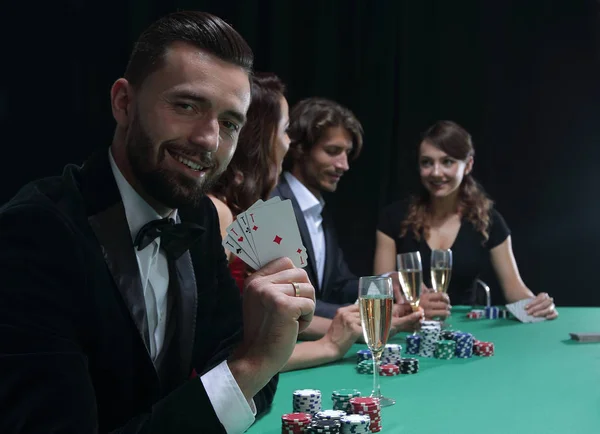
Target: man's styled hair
x=310, y=118
x=205, y=31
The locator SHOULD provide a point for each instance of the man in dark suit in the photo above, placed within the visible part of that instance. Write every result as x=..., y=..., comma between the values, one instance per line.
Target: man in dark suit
x=117, y=309
x=324, y=136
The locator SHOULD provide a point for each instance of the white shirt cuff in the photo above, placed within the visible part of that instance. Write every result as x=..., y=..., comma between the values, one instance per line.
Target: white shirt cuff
x=233, y=410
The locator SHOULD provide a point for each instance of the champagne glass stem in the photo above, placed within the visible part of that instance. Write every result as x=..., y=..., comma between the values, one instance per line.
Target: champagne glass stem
x=376, y=389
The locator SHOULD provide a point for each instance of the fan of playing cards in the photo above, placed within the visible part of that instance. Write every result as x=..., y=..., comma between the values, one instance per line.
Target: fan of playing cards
x=266, y=231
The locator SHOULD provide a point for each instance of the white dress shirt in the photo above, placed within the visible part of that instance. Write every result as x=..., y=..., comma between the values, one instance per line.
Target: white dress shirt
x=233, y=410
x=311, y=209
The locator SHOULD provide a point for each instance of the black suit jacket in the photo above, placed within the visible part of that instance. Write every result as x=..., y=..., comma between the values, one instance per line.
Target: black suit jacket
x=73, y=333
x=340, y=286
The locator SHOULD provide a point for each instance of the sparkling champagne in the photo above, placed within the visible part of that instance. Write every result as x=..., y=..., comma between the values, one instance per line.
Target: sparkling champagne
x=376, y=318
x=440, y=278
x=410, y=281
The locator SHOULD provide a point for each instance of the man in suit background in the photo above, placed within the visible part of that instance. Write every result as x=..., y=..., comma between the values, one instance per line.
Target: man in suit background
x=324, y=136
x=117, y=309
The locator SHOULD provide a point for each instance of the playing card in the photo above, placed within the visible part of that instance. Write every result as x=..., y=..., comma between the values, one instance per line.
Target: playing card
x=275, y=233
x=230, y=244
x=518, y=310
x=236, y=232
x=245, y=220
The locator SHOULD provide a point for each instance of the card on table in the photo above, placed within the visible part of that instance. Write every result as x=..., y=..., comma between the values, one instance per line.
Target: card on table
x=266, y=231
x=518, y=310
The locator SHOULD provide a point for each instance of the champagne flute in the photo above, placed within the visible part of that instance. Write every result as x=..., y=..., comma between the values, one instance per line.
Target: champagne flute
x=410, y=273
x=441, y=270
x=376, y=297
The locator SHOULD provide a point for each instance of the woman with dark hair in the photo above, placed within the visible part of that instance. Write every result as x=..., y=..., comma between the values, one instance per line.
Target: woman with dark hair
x=251, y=175
x=255, y=166
x=451, y=210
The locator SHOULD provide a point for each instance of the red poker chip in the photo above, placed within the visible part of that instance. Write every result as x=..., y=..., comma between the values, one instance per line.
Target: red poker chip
x=364, y=401
x=296, y=418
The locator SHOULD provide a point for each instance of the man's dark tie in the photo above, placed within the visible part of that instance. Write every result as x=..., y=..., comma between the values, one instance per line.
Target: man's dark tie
x=175, y=238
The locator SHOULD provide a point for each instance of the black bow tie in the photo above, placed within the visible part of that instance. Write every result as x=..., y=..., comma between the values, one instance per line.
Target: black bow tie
x=175, y=238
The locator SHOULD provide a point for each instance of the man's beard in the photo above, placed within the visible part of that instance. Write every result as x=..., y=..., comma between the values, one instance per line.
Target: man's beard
x=170, y=188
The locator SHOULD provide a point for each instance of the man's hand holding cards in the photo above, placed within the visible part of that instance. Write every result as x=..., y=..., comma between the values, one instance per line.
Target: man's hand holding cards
x=266, y=231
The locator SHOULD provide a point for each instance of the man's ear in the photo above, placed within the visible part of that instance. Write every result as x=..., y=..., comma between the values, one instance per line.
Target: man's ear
x=121, y=99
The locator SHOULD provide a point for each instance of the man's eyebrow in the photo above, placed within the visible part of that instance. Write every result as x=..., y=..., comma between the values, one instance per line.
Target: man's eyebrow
x=203, y=101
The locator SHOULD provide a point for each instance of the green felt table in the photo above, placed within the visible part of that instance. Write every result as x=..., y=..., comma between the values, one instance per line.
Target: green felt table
x=538, y=381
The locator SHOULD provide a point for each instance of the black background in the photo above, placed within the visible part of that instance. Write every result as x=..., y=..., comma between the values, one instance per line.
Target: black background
x=522, y=77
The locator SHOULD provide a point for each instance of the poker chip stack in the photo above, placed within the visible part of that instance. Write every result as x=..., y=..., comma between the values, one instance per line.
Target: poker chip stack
x=445, y=349
x=409, y=366
x=476, y=314
x=447, y=335
x=503, y=313
x=365, y=367
x=485, y=349
x=368, y=407
x=464, y=345
x=413, y=343
x=435, y=324
x=491, y=312
x=330, y=415
x=295, y=423
x=341, y=399
x=364, y=355
x=391, y=354
x=389, y=369
x=307, y=401
x=355, y=424
x=324, y=426
x=430, y=335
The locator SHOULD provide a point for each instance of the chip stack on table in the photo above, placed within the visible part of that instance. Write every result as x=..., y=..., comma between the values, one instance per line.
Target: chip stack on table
x=365, y=367
x=307, y=401
x=464, y=345
x=392, y=353
x=430, y=335
x=435, y=324
x=368, y=407
x=409, y=366
x=413, y=343
x=341, y=399
x=484, y=349
x=503, y=313
x=389, y=369
x=476, y=314
x=364, y=355
x=491, y=312
x=295, y=423
x=355, y=424
x=447, y=335
x=445, y=349
x=323, y=426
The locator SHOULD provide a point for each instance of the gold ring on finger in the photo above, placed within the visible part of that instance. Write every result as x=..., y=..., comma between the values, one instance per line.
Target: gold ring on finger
x=296, y=289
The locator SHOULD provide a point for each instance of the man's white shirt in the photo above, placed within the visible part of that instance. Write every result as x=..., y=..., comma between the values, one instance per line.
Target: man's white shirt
x=311, y=208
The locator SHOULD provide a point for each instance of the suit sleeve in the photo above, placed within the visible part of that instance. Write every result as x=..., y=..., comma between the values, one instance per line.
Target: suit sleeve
x=343, y=289
x=46, y=386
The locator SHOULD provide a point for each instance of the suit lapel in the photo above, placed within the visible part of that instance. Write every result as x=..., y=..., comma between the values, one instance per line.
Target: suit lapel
x=285, y=192
x=106, y=216
x=185, y=311
x=113, y=234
